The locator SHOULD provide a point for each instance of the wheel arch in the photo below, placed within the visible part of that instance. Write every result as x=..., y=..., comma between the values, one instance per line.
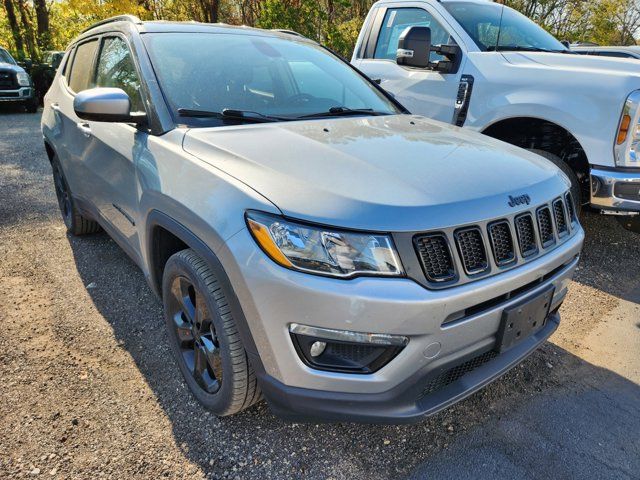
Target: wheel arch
x=166, y=236
x=532, y=132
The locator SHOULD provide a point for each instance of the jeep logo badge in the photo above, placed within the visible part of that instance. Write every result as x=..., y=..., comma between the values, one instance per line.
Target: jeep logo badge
x=519, y=200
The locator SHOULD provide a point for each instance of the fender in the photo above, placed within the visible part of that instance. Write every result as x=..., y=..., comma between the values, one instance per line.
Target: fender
x=159, y=219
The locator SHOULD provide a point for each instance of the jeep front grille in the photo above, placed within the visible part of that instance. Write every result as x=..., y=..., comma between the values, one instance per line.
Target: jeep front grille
x=570, y=207
x=460, y=255
x=435, y=257
x=560, y=217
x=471, y=248
x=545, y=226
x=526, y=235
x=501, y=240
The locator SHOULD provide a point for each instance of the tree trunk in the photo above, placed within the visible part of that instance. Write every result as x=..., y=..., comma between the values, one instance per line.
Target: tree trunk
x=29, y=36
x=42, y=17
x=15, y=29
x=214, y=10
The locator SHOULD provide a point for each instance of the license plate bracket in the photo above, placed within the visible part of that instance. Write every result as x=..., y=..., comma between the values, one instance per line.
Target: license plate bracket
x=524, y=319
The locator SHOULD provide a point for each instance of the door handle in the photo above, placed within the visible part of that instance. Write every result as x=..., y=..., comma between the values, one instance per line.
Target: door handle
x=85, y=129
x=55, y=107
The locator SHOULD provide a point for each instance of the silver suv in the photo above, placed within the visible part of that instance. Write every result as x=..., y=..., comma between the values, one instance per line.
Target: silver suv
x=312, y=242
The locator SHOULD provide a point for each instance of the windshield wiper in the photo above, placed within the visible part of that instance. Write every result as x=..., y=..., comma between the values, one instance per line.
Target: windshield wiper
x=343, y=112
x=228, y=113
x=518, y=48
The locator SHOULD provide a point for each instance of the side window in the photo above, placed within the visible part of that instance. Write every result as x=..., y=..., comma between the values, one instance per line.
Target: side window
x=81, y=75
x=396, y=21
x=67, y=65
x=117, y=70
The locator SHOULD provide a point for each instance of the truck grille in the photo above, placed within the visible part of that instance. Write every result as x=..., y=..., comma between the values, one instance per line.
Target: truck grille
x=472, y=251
x=545, y=225
x=501, y=240
x=7, y=80
x=570, y=207
x=435, y=257
x=508, y=242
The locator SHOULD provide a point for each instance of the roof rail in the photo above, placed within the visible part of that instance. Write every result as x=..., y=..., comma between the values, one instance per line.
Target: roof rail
x=288, y=32
x=118, y=18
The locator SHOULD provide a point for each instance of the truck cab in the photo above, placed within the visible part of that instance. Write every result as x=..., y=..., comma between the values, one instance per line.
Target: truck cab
x=484, y=66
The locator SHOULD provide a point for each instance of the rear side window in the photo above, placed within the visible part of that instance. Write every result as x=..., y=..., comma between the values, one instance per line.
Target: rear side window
x=397, y=20
x=117, y=70
x=82, y=68
x=67, y=65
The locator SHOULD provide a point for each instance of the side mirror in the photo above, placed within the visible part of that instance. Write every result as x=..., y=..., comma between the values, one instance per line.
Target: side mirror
x=414, y=47
x=106, y=105
x=414, y=50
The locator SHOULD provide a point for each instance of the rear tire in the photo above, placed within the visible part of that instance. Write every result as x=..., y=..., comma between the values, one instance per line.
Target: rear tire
x=76, y=223
x=576, y=190
x=204, y=337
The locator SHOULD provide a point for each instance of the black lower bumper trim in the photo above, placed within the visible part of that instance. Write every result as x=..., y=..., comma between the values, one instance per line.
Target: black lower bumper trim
x=406, y=403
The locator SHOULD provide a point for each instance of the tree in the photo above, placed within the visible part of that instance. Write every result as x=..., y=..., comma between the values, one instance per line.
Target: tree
x=15, y=29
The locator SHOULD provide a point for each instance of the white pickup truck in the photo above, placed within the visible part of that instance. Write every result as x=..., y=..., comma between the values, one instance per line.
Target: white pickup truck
x=484, y=66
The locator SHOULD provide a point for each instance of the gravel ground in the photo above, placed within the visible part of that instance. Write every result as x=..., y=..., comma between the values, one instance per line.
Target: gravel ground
x=88, y=389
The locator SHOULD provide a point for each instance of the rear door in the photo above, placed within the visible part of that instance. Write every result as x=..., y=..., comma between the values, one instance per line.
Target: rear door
x=422, y=91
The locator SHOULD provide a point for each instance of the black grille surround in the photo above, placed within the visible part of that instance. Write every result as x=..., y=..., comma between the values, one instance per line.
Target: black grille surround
x=456, y=256
x=545, y=227
x=435, y=257
x=501, y=239
x=472, y=251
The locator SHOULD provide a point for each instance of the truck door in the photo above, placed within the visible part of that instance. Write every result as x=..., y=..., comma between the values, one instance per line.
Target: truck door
x=422, y=91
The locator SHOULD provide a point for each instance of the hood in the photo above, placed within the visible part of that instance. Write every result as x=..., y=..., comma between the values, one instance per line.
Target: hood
x=577, y=63
x=387, y=173
x=11, y=66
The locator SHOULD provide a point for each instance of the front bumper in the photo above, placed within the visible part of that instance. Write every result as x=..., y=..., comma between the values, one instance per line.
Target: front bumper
x=615, y=190
x=272, y=298
x=23, y=94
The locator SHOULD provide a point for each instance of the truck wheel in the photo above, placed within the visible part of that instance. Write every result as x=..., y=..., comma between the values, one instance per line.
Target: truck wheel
x=576, y=191
x=73, y=220
x=204, y=337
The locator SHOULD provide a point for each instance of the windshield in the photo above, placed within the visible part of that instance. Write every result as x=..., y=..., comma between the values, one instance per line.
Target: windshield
x=6, y=58
x=266, y=76
x=496, y=27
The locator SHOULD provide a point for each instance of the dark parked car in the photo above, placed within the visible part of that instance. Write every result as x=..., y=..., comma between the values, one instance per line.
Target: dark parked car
x=43, y=73
x=16, y=86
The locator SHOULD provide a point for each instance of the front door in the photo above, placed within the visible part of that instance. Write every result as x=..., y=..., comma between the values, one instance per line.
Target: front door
x=422, y=91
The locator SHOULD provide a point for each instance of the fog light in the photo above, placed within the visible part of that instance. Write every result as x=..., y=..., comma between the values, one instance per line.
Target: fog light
x=345, y=351
x=317, y=348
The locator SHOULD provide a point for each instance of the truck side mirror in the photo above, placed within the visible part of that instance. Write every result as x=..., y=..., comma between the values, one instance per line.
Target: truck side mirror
x=414, y=50
x=414, y=47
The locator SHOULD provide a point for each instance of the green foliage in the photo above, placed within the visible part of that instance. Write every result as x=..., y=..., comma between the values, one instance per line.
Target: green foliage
x=335, y=23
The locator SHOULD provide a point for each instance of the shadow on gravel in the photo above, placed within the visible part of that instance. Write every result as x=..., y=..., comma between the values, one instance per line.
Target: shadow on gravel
x=610, y=258
x=554, y=416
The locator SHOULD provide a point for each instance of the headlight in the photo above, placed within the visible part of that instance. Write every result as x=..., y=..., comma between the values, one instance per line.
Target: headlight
x=324, y=251
x=627, y=147
x=23, y=79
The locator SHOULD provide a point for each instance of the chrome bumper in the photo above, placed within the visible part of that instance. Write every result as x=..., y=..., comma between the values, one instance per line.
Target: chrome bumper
x=616, y=191
x=21, y=94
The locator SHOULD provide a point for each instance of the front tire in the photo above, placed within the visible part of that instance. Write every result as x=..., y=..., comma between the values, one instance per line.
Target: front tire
x=576, y=190
x=204, y=337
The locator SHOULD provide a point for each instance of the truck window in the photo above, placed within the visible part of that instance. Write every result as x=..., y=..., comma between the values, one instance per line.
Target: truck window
x=397, y=20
